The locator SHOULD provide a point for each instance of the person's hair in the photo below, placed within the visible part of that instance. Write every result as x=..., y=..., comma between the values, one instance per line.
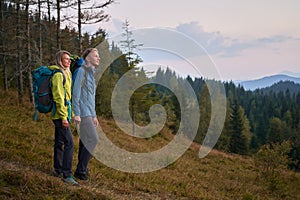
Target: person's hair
x=88, y=51
x=58, y=57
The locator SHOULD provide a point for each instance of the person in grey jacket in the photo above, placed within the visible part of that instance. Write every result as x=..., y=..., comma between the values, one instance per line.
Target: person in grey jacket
x=83, y=101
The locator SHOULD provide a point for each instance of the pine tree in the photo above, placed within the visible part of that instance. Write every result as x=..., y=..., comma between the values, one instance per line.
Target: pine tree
x=129, y=47
x=294, y=154
x=205, y=113
x=238, y=140
x=224, y=139
x=275, y=131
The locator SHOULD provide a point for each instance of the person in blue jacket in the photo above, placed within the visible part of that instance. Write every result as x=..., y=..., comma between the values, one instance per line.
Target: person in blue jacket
x=83, y=103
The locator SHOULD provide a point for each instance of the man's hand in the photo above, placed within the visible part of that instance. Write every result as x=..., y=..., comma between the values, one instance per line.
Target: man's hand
x=77, y=119
x=96, y=122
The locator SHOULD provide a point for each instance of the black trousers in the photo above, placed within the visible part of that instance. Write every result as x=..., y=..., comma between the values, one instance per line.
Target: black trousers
x=63, y=149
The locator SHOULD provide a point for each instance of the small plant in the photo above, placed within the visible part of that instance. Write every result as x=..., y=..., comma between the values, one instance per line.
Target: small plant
x=248, y=196
x=272, y=158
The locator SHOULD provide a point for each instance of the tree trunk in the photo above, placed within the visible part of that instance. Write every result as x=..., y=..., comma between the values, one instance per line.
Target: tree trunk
x=29, y=51
x=49, y=41
x=49, y=15
x=58, y=45
x=5, y=73
x=18, y=56
x=133, y=117
x=40, y=31
x=5, y=85
x=79, y=27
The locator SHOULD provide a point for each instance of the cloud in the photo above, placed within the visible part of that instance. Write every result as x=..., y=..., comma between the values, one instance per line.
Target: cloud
x=213, y=42
x=115, y=26
x=112, y=27
x=217, y=44
x=274, y=39
x=235, y=57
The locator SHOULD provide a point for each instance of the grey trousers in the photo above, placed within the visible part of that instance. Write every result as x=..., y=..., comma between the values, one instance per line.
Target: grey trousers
x=87, y=143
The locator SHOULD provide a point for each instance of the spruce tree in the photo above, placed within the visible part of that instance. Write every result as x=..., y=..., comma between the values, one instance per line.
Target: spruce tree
x=238, y=140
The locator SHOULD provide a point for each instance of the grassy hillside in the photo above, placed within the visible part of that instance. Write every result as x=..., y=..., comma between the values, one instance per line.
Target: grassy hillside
x=26, y=159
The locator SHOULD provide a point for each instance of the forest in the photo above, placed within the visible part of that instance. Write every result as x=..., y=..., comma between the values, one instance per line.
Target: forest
x=31, y=33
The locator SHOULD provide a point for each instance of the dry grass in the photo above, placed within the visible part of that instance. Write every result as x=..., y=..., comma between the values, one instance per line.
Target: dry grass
x=26, y=167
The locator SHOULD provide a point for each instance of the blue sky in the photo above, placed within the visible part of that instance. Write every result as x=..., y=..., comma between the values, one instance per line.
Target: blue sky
x=245, y=39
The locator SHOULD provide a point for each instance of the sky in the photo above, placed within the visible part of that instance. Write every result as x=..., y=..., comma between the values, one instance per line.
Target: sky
x=244, y=39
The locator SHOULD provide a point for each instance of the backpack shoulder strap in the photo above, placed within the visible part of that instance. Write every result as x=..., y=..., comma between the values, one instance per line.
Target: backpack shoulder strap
x=75, y=74
x=58, y=70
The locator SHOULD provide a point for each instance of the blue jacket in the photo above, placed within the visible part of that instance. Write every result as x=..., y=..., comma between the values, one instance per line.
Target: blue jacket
x=84, y=91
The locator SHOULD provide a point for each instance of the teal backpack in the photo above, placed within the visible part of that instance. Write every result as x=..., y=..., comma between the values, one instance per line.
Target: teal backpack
x=42, y=93
x=76, y=63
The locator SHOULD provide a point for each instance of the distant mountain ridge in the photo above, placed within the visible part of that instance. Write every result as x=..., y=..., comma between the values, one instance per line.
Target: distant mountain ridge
x=282, y=86
x=267, y=81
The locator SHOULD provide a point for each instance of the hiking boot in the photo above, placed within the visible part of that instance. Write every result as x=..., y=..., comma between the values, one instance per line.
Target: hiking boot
x=58, y=174
x=80, y=176
x=71, y=181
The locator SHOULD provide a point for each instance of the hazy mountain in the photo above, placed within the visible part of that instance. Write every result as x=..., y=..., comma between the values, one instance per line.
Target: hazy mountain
x=267, y=81
x=289, y=73
x=282, y=86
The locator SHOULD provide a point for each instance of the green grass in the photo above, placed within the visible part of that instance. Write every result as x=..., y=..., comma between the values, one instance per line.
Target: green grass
x=26, y=159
